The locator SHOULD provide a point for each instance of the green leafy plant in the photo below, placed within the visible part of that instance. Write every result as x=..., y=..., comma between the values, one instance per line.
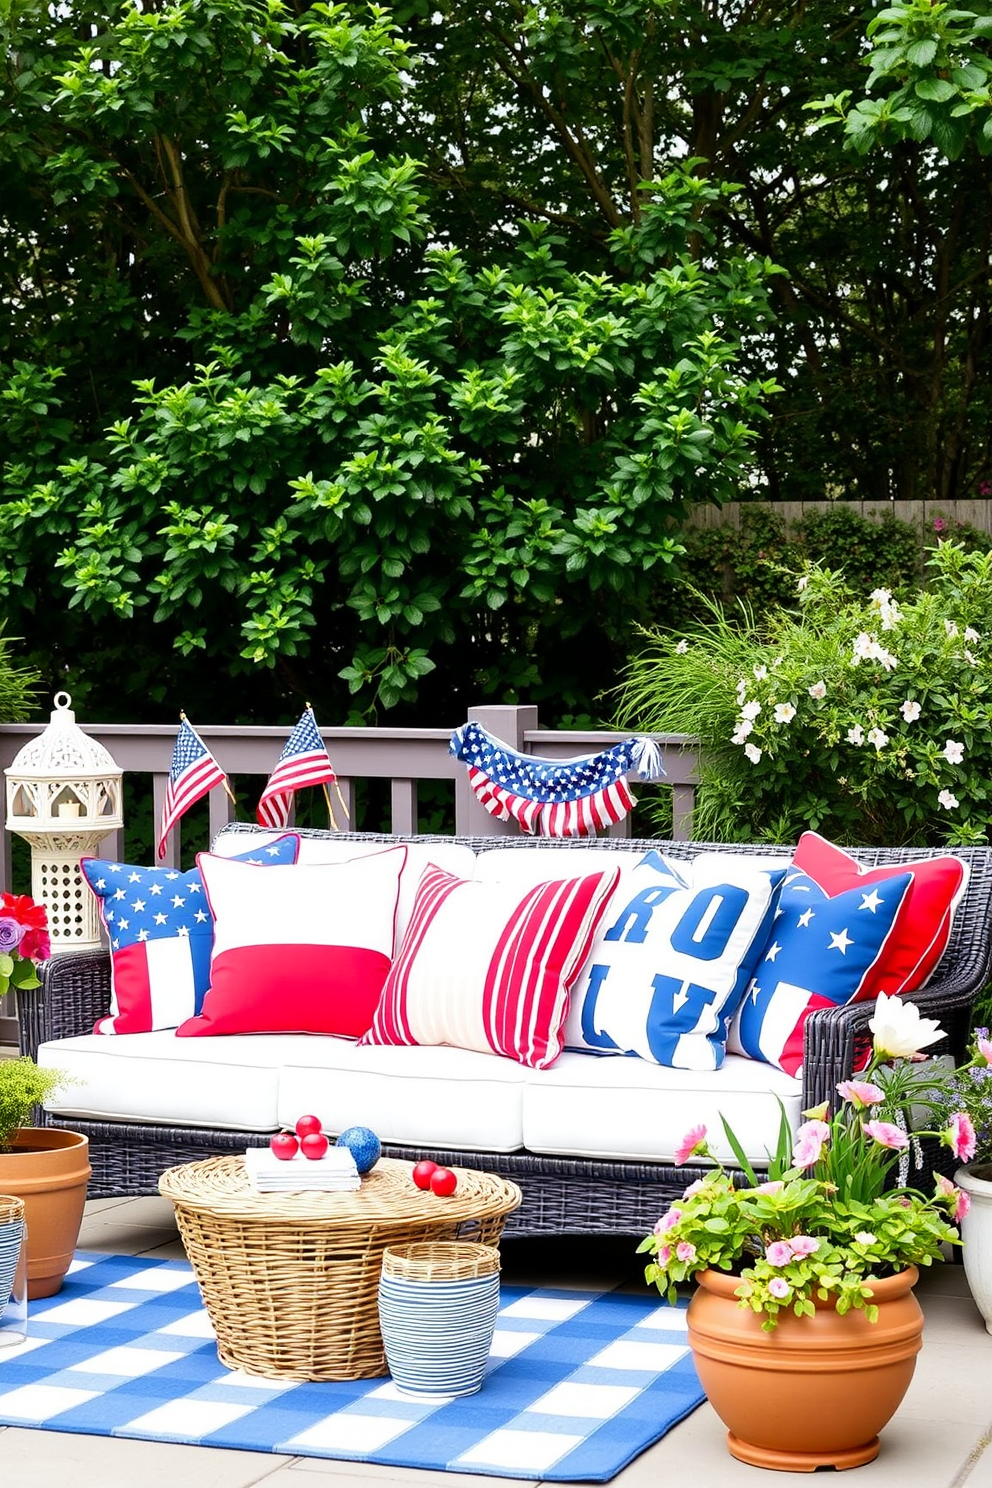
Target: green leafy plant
x=823, y=1225
x=22, y=1087
x=862, y=718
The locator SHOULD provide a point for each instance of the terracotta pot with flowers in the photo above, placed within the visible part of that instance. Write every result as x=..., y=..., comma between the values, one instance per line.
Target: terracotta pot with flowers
x=45, y=1166
x=804, y=1326
x=970, y=1090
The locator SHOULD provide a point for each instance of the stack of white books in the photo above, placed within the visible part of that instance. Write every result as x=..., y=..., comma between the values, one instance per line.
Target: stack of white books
x=335, y=1172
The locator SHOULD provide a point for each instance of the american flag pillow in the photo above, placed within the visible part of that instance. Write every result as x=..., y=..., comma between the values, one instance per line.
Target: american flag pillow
x=489, y=966
x=161, y=932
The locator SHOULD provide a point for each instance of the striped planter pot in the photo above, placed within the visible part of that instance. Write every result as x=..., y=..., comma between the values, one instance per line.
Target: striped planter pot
x=437, y=1325
x=13, y=1272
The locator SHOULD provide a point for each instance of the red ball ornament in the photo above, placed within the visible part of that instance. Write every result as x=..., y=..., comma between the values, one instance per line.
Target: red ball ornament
x=308, y=1124
x=284, y=1146
x=443, y=1182
x=423, y=1172
x=314, y=1145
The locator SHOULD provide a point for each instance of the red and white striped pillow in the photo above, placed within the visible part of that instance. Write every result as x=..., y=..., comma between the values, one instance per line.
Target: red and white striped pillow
x=489, y=966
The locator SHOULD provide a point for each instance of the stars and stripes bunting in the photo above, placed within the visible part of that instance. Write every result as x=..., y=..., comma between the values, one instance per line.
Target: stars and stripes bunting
x=193, y=773
x=554, y=798
x=304, y=761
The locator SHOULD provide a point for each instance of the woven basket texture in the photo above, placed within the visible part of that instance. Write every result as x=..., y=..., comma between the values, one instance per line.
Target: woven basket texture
x=290, y=1281
x=11, y=1209
x=439, y=1260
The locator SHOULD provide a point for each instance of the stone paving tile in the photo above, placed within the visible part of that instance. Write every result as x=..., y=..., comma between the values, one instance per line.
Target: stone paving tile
x=53, y=1459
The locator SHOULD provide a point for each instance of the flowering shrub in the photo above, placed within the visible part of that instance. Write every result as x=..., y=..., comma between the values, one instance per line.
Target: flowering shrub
x=23, y=940
x=865, y=719
x=22, y=1087
x=969, y=1090
x=823, y=1224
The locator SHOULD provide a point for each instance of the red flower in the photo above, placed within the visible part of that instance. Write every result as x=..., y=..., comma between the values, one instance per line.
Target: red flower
x=35, y=945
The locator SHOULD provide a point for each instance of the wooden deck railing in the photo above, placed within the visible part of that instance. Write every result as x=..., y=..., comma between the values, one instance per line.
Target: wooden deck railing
x=403, y=757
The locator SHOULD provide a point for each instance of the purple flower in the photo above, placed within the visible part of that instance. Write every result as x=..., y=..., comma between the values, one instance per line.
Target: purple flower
x=11, y=935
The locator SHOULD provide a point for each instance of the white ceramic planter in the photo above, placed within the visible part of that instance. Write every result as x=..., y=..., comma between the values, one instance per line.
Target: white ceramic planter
x=976, y=1232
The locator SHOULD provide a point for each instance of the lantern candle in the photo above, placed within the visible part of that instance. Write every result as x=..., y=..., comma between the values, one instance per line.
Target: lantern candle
x=70, y=808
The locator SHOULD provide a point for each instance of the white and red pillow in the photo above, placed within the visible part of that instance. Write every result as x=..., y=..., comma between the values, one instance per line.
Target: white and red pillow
x=298, y=950
x=923, y=926
x=489, y=966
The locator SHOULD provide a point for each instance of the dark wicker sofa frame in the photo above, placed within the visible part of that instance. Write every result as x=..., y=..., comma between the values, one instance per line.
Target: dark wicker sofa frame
x=560, y=1195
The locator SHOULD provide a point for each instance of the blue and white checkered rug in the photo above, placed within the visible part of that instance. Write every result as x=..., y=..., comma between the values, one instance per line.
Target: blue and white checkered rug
x=579, y=1383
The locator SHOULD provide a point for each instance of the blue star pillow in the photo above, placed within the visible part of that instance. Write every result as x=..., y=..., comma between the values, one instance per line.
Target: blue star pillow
x=671, y=960
x=161, y=935
x=821, y=952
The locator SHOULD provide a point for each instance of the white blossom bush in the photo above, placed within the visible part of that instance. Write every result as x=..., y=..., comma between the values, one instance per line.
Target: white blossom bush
x=867, y=720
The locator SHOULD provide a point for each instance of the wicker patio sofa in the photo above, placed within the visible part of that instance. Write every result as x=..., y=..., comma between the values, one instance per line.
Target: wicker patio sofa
x=564, y=1194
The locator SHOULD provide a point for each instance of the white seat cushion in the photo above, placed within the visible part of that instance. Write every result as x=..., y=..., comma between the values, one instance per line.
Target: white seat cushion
x=628, y=1108
x=219, y=1083
x=431, y=1096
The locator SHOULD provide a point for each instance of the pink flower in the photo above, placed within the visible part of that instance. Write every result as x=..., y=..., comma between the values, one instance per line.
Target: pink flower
x=668, y=1221
x=685, y=1251
x=948, y=1190
x=803, y=1245
x=694, y=1188
x=860, y=1093
x=779, y=1288
x=809, y=1143
x=691, y=1145
x=773, y=1185
x=960, y=1137
x=664, y=1255
x=886, y=1135
x=984, y=1047
x=778, y=1253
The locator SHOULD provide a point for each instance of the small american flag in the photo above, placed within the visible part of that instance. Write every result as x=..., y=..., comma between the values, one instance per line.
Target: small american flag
x=193, y=773
x=304, y=761
x=554, y=798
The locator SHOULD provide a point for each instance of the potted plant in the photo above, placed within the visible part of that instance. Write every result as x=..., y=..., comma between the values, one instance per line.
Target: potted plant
x=970, y=1090
x=45, y=1166
x=804, y=1326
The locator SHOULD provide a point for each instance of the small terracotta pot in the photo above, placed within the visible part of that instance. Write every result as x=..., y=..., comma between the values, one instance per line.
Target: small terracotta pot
x=815, y=1391
x=49, y=1169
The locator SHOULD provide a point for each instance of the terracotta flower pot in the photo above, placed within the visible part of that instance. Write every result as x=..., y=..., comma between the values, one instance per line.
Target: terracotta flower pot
x=49, y=1169
x=814, y=1392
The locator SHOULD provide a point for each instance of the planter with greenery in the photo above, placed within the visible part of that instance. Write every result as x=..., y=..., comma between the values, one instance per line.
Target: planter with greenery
x=805, y=1278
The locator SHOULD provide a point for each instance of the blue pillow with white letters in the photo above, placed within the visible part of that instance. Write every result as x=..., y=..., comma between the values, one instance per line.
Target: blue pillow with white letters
x=672, y=960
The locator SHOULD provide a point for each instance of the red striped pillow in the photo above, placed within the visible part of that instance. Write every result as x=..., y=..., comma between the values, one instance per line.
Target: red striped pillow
x=489, y=966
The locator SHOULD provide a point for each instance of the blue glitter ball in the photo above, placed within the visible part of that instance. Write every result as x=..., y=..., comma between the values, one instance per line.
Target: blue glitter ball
x=364, y=1145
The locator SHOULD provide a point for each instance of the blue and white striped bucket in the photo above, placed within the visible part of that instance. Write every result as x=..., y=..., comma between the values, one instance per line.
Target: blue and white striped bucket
x=13, y=1271
x=437, y=1310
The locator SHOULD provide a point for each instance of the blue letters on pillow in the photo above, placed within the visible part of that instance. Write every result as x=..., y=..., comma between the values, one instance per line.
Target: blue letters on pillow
x=671, y=962
x=161, y=933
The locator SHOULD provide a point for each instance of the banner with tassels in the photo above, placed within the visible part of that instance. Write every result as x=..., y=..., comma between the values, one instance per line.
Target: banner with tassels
x=554, y=798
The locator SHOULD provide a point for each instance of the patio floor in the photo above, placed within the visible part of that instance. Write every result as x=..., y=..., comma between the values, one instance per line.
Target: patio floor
x=940, y=1438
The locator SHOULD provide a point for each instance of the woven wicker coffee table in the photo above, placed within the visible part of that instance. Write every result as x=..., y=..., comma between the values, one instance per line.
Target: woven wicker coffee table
x=290, y=1281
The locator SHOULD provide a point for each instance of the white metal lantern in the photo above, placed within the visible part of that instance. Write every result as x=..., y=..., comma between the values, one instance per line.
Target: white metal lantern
x=63, y=797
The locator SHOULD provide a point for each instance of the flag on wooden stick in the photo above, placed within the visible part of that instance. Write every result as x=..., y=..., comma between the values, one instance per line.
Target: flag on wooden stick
x=304, y=761
x=193, y=773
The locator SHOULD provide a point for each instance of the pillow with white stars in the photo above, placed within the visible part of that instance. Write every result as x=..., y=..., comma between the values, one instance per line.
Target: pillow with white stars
x=823, y=951
x=161, y=933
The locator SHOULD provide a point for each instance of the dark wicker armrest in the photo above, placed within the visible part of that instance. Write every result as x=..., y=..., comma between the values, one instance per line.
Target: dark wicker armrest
x=74, y=993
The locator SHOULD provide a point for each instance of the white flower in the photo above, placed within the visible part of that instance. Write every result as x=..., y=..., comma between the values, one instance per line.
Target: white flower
x=910, y=711
x=744, y=727
x=880, y=597
x=741, y=691
x=784, y=712
x=953, y=752
x=886, y=659
x=818, y=690
x=864, y=645
x=950, y=627
x=948, y=800
x=760, y=673
x=971, y=635
x=682, y=648
x=856, y=735
x=753, y=753
x=751, y=710
x=970, y=657
x=878, y=738
x=803, y=584
x=899, y=1031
